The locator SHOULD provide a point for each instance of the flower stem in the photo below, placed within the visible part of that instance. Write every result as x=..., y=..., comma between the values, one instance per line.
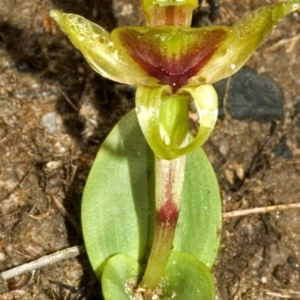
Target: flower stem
x=169, y=177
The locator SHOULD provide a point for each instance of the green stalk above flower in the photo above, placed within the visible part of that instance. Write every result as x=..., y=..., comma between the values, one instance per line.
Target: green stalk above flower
x=169, y=12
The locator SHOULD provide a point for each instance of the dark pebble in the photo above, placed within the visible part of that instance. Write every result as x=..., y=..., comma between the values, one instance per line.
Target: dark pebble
x=298, y=142
x=283, y=273
x=298, y=123
x=251, y=97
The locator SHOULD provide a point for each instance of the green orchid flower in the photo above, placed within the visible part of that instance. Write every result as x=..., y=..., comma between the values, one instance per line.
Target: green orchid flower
x=170, y=64
x=155, y=235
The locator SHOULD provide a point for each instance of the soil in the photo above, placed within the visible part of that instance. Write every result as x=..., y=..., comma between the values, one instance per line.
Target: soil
x=55, y=112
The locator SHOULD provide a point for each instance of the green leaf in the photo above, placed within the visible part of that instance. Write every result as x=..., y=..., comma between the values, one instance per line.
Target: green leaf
x=118, y=201
x=120, y=273
x=116, y=206
x=200, y=218
x=187, y=278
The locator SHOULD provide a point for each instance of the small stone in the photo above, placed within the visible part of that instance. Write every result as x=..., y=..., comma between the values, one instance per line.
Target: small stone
x=2, y=256
x=49, y=122
x=264, y=280
x=251, y=97
x=283, y=273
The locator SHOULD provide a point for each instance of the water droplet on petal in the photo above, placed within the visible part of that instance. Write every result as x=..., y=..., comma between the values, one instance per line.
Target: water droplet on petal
x=138, y=109
x=102, y=40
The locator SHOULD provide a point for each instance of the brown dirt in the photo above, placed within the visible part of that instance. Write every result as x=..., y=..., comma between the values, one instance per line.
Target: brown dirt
x=44, y=171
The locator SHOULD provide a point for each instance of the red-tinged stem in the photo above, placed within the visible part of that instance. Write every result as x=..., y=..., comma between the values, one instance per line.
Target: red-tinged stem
x=180, y=15
x=169, y=176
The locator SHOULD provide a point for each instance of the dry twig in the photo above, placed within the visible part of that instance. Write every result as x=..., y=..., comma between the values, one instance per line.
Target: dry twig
x=42, y=262
x=285, y=294
x=259, y=210
x=289, y=41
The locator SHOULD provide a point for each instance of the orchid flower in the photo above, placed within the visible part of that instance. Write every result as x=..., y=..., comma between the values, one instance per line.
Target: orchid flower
x=170, y=63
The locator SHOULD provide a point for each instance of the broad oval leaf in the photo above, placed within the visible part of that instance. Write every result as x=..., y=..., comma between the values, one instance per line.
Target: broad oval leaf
x=116, y=205
x=200, y=218
x=118, y=201
x=187, y=278
x=120, y=272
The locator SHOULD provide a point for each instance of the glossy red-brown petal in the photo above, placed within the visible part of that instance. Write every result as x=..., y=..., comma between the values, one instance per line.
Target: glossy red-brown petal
x=171, y=54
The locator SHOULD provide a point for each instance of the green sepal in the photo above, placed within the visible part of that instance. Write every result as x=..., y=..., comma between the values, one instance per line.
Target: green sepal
x=95, y=43
x=246, y=35
x=120, y=273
